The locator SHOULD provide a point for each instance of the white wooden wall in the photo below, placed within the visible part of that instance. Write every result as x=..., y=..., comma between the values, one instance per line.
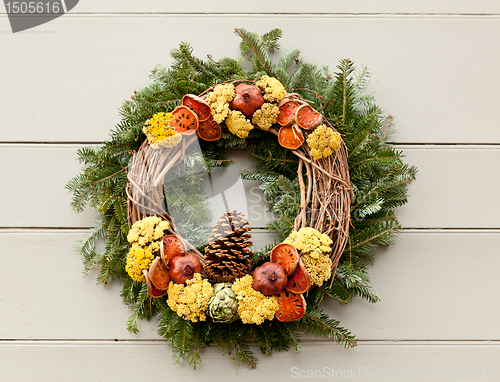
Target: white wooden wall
x=435, y=66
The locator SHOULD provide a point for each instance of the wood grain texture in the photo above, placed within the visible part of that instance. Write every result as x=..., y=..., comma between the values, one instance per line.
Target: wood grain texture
x=445, y=283
x=425, y=69
x=128, y=361
x=484, y=7
x=434, y=66
x=454, y=188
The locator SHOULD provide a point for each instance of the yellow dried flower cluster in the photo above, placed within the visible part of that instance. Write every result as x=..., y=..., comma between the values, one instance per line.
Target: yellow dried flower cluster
x=313, y=246
x=253, y=306
x=148, y=231
x=237, y=124
x=323, y=141
x=159, y=132
x=319, y=268
x=309, y=241
x=273, y=89
x=138, y=259
x=190, y=301
x=266, y=116
x=219, y=100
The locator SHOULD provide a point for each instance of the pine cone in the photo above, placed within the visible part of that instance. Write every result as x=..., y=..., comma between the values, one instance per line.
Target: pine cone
x=228, y=257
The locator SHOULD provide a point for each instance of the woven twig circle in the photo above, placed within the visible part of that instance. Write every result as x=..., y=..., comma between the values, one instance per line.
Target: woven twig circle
x=325, y=198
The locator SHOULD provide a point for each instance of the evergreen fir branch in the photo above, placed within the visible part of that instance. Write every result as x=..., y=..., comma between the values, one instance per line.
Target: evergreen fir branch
x=229, y=339
x=263, y=334
x=168, y=324
x=252, y=43
x=317, y=322
x=139, y=310
x=380, y=233
x=288, y=59
x=243, y=356
x=289, y=336
x=271, y=39
x=350, y=282
x=361, y=80
x=337, y=292
x=91, y=260
x=198, y=344
x=378, y=175
x=86, y=244
x=182, y=341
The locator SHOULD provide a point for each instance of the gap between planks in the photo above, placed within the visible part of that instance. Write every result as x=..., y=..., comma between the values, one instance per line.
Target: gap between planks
x=410, y=230
x=55, y=342
x=400, y=145
x=283, y=15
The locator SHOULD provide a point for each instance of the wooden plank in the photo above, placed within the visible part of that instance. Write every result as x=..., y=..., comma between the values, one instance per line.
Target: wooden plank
x=424, y=68
x=434, y=286
x=293, y=7
x=36, y=196
x=454, y=188
x=106, y=361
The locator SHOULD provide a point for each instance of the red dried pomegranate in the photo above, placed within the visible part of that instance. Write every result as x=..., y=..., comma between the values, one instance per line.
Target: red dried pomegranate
x=248, y=99
x=269, y=278
x=183, y=268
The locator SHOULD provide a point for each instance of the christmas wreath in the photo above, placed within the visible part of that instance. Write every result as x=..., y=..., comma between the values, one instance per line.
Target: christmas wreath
x=325, y=168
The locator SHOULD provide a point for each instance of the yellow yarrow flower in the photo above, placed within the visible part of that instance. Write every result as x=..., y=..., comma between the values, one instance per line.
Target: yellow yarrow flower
x=237, y=124
x=219, y=100
x=148, y=230
x=266, y=116
x=138, y=259
x=273, y=89
x=319, y=268
x=253, y=306
x=159, y=132
x=191, y=301
x=314, y=247
x=323, y=141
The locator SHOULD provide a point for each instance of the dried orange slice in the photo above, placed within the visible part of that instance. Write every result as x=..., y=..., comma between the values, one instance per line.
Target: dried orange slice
x=287, y=256
x=172, y=247
x=209, y=130
x=291, y=306
x=152, y=290
x=184, y=120
x=307, y=118
x=158, y=273
x=300, y=280
x=290, y=137
x=198, y=105
x=287, y=113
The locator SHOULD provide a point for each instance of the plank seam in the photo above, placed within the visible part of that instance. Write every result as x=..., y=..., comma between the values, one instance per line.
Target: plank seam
x=264, y=230
x=412, y=145
x=287, y=14
x=304, y=341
